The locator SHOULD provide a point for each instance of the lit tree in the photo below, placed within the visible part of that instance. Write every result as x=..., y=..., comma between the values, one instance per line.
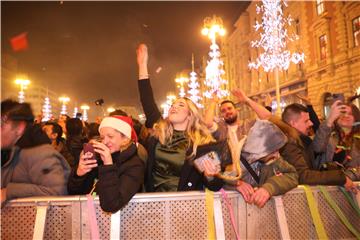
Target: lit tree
x=64, y=100
x=76, y=110
x=194, y=86
x=85, y=109
x=214, y=69
x=273, y=40
x=46, y=110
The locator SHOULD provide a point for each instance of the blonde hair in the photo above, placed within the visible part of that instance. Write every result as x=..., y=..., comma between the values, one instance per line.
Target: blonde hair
x=196, y=130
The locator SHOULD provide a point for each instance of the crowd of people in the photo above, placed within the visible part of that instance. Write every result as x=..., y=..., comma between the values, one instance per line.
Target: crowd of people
x=118, y=157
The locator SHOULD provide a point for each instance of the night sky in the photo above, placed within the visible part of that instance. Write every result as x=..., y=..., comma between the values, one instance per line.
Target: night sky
x=87, y=49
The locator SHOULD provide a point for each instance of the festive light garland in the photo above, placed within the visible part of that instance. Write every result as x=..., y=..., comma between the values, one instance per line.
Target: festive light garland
x=214, y=81
x=46, y=110
x=274, y=38
x=194, y=87
x=214, y=72
x=76, y=110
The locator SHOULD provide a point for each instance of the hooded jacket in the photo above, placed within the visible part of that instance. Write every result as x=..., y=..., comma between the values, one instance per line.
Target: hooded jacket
x=277, y=176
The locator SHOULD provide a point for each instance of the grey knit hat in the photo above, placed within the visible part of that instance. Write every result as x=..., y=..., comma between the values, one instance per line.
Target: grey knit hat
x=263, y=139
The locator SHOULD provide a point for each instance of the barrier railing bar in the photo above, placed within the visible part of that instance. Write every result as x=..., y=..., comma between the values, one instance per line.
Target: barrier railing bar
x=115, y=225
x=40, y=221
x=144, y=197
x=218, y=217
x=281, y=217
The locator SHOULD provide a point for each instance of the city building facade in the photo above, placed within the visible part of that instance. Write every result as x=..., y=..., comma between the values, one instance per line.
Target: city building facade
x=329, y=36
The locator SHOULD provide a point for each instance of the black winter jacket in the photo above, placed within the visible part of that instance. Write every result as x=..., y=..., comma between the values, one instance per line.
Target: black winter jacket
x=117, y=183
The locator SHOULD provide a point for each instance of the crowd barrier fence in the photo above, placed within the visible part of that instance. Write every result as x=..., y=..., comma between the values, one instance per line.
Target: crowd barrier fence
x=178, y=215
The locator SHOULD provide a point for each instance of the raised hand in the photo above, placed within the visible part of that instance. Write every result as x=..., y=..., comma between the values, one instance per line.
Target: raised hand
x=336, y=109
x=240, y=95
x=142, y=54
x=86, y=164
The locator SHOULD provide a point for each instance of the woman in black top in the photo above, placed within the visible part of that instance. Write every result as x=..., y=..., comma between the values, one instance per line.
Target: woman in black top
x=176, y=141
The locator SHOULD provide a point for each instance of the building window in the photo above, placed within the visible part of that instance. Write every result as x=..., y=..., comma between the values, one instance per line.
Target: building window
x=323, y=43
x=356, y=31
x=297, y=26
x=320, y=8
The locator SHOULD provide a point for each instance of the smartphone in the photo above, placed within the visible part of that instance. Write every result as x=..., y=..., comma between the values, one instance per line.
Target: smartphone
x=338, y=96
x=88, y=147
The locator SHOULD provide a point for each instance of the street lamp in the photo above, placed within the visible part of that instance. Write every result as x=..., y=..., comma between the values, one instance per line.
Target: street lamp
x=214, y=69
x=64, y=100
x=85, y=108
x=23, y=83
x=181, y=81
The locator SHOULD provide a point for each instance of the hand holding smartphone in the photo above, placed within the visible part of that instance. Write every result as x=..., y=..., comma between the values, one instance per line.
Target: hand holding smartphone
x=88, y=147
x=339, y=96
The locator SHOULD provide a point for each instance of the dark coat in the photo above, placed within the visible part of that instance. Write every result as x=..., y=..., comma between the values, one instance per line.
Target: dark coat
x=75, y=145
x=117, y=183
x=190, y=177
x=301, y=156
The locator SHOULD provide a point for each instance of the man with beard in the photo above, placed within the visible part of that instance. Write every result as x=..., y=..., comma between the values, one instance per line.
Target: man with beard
x=233, y=129
x=230, y=126
x=300, y=149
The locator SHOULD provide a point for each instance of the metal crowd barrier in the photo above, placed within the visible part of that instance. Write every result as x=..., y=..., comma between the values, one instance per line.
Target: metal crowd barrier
x=179, y=215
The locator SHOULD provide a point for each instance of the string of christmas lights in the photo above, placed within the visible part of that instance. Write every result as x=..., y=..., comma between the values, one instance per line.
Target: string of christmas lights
x=194, y=87
x=273, y=38
x=46, y=110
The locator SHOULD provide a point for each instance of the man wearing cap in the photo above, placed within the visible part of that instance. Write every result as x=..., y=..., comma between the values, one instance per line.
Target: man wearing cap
x=114, y=162
x=37, y=170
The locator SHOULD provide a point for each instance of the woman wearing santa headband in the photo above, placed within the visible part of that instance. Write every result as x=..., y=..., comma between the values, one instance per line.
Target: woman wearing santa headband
x=115, y=163
x=177, y=141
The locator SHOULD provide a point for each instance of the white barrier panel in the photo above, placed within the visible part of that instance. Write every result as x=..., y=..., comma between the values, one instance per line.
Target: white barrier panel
x=176, y=216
